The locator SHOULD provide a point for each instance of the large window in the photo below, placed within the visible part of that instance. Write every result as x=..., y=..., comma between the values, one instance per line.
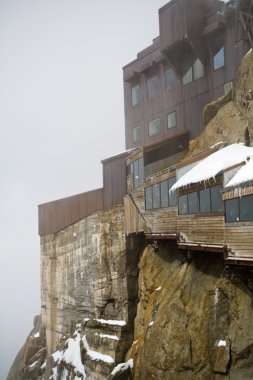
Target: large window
x=138, y=173
x=154, y=127
x=170, y=79
x=219, y=59
x=137, y=132
x=239, y=209
x=153, y=86
x=159, y=196
x=194, y=72
x=207, y=200
x=136, y=96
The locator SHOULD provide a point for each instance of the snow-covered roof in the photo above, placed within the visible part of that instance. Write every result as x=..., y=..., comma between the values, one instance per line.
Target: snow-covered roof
x=215, y=164
x=244, y=174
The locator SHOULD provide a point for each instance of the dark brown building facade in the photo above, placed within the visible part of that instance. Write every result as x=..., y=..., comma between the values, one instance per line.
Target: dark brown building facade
x=193, y=61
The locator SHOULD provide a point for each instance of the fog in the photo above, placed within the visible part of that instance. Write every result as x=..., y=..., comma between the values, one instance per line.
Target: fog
x=61, y=113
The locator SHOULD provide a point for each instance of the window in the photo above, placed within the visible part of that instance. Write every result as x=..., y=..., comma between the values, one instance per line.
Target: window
x=198, y=69
x=138, y=173
x=154, y=127
x=219, y=59
x=153, y=86
x=232, y=210
x=195, y=72
x=171, y=120
x=216, y=198
x=137, y=134
x=136, y=95
x=239, y=209
x=158, y=195
x=205, y=200
x=202, y=201
x=187, y=78
x=170, y=79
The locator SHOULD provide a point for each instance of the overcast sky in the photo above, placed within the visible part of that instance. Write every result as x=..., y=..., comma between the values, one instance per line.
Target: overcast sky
x=61, y=113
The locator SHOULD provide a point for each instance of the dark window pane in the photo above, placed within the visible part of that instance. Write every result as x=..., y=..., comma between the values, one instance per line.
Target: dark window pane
x=182, y=205
x=136, y=95
x=219, y=59
x=136, y=174
x=164, y=194
x=246, y=208
x=148, y=198
x=172, y=194
x=154, y=127
x=141, y=172
x=193, y=204
x=170, y=79
x=205, y=200
x=153, y=86
x=216, y=198
x=232, y=210
x=156, y=196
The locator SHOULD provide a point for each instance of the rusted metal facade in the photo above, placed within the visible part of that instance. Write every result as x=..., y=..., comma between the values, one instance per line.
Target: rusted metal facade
x=189, y=30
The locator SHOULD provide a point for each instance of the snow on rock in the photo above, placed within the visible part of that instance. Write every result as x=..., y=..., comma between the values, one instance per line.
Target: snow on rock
x=57, y=356
x=36, y=335
x=33, y=364
x=222, y=343
x=94, y=355
x=112, y=322
x=157, y=289
x=72, y=354
x=113, y=337
x=151, y=323
x=214, y=164
x=244, y=174
x=123, y=366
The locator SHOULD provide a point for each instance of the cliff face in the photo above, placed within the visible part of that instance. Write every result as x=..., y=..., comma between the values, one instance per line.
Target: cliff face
x=194, y=320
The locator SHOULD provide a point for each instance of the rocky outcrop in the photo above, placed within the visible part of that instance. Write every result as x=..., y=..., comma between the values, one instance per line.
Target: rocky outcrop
x=194, y=320
x=31, y=360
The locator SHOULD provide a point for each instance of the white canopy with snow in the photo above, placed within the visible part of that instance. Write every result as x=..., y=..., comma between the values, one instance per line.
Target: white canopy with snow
x=244, y=174
x=216, y=163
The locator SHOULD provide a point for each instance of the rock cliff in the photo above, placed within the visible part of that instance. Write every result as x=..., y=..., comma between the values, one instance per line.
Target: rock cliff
x=194, y=319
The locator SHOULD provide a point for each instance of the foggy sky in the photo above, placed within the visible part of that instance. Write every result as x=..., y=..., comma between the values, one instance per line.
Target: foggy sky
x=60, y=82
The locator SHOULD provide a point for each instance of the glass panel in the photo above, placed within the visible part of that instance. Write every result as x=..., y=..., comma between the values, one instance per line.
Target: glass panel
x=137, y=134
x=187, y=78
x=164, y=194
x=232, y=210
x=218, y=59
x=153, y=86
x=170, y=79
x=205, y=200
x=172, y=120
x=172, y=194
x=153, y=127
x=136, y=174
x=141, y=172
x=198, y=69
x=193, y=203
x=156, y=196
x=182, y=205
x=246, y=208
x=148, y=198
x=136, y=95
x=216, y=198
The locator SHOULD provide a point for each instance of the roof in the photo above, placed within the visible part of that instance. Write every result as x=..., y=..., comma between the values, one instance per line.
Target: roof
x=216, y=163
x=244, y=174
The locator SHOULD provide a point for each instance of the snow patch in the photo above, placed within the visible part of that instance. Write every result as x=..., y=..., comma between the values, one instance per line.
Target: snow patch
x=72, y=354
x=222, y=343
x=151, y=323
x=36, y=335
x=113, y=337
x=33, y=364
x=157, y=289
x=57, y=356
x=112, y=322
x=214, y=164
x=94, y=355
x=123, y=366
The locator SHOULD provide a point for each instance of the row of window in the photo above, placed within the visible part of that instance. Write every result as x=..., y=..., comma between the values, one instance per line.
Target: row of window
x=154, y=126
x=159, y=195
x=196, y=71
x=239, y=209
x=201, y=201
